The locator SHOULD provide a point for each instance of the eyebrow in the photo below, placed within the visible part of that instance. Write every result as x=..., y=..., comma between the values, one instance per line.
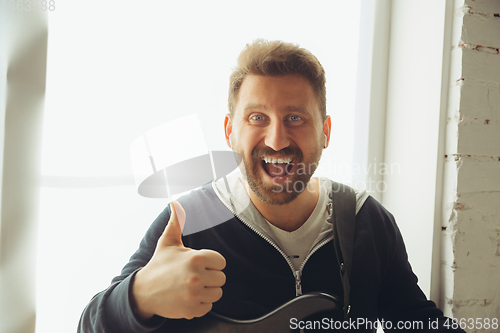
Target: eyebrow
x=298, y=109
x=253, y=106
x=262, y=107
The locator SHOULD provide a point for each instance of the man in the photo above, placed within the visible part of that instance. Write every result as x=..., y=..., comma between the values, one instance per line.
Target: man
x=276, y=242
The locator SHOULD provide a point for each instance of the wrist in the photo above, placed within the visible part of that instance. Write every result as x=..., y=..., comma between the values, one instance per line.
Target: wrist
x=137, y=302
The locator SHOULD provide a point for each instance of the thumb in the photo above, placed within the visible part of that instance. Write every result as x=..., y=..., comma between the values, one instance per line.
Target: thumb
x=172, y=235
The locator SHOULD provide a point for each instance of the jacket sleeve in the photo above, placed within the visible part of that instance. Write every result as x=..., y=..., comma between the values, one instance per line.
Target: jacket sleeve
x=111, y=310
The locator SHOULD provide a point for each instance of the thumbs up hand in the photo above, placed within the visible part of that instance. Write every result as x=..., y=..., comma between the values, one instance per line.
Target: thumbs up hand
x=178, y=282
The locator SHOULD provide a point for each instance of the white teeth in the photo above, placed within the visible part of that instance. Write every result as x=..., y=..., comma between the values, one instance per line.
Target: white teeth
x=277, y=160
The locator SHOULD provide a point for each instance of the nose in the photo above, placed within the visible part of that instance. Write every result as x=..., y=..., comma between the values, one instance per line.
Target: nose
x=277, y=136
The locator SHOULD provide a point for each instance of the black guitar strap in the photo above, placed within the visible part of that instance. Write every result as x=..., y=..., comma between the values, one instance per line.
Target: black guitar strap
x=342, y=216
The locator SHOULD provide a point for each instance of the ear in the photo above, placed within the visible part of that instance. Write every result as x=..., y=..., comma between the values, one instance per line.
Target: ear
x=327, y=129
x=228, y=129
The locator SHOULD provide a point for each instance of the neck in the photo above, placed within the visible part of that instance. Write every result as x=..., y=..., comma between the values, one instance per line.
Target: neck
x=292, y=215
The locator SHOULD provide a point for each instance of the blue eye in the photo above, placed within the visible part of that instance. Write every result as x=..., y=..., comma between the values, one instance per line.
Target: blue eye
x=257, y=117
x=295, y=118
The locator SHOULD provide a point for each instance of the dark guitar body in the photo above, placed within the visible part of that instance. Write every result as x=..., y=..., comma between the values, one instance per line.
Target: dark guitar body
x=277, y=321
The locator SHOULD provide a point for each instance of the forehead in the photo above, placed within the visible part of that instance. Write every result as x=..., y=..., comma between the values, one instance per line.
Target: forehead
x=280, y=93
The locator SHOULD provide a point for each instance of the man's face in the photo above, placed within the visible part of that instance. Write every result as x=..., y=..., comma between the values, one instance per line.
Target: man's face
x=278, y=130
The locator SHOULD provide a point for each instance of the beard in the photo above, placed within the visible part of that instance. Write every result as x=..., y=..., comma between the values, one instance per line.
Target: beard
x=297, y=180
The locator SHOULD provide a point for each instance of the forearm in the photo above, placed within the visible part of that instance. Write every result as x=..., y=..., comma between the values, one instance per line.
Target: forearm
x=111, y=311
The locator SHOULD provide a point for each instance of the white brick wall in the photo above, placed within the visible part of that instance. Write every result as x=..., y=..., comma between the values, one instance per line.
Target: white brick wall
x=471, y=217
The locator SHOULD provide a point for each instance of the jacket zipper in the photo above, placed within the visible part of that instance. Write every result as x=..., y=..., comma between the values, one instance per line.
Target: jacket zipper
x=298, y=286
x=297, y=274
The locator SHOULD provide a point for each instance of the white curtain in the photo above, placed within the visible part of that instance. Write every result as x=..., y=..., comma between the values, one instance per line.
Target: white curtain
x=23, y=52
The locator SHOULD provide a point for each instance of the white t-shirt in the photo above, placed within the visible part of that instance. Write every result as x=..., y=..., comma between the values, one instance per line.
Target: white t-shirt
x=298, y=243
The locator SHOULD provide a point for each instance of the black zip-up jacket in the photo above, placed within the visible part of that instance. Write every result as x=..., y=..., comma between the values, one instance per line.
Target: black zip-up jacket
x=259, y=278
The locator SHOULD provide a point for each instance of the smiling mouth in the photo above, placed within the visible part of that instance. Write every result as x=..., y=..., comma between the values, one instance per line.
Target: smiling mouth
x=277, y=167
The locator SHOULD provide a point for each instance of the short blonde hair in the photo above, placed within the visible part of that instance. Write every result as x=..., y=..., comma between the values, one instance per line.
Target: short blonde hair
x=276, y=58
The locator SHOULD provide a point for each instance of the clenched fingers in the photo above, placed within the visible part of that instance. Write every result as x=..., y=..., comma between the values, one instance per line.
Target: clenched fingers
x=214, y=278
x=213, y=259
x=211, y=295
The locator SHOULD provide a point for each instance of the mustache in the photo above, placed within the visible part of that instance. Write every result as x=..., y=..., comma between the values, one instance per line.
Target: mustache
x=258, y=152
